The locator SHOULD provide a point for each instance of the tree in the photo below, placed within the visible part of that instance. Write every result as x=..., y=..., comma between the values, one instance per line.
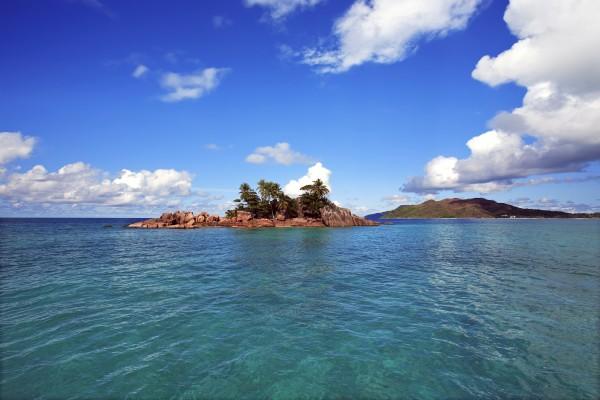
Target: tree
x=249, y=200
x=317, y=188
x=269, y=199
x=270, y=194
x=287, y=206
x=230, y=214
x=314, y=197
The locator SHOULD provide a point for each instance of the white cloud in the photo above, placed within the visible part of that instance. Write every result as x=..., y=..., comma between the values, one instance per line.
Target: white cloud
x=256, y=158
x=14, y=145
x=79, y=183
x=557, y=60
x=360, y=210
x=496, y=159
x=558, y=43
x=220, y=21
x=212, y=146
x=397, y=199
x=191, y=86
x=403, y=199
x=317, y=171
x=386, y=31
x=281, y=153
x=279, y=9
x=139, y=71
x=356, y=209
x=546, y=203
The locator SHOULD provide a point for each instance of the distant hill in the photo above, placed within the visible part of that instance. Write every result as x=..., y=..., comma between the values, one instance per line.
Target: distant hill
x=471, y=208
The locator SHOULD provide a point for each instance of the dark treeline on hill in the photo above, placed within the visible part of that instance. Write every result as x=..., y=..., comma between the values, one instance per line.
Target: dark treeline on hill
x=268, y=201
x=472, y=208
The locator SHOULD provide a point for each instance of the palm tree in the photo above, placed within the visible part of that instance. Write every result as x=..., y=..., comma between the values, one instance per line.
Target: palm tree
x=270, y=193
x=287, y=206
x=317, y=188
x=248, y=199
x=314, y=197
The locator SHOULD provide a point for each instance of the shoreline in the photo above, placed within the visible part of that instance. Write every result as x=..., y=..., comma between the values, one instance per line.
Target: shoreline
x=330, y=217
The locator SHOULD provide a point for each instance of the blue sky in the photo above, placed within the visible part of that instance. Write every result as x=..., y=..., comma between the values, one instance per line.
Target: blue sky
x=193, y=98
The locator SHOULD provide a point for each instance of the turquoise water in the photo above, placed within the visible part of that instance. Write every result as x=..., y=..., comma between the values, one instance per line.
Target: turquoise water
x=420, y=309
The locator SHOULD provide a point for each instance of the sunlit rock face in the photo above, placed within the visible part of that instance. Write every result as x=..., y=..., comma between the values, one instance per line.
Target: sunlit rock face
x=333, y=216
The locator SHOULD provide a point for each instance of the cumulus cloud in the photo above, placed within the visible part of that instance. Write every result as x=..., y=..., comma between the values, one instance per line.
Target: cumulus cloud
x=317, y=171
x=557, y=43
x=556, y=59
x=79, y=183
x=496, y=159
x=139, y=71
x=386, y=31
x=191, y=86
x=14, y=145
x=279, y=9
x=281, y=153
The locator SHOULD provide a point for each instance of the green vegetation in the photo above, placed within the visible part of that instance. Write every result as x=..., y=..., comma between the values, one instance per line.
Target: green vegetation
x=439, y=209
x=314, y=198
x=472, y=208
x=269, y=200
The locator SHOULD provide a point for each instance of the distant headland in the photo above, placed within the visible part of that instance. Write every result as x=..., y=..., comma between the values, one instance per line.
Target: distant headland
x=267, y=207
x=471, y=208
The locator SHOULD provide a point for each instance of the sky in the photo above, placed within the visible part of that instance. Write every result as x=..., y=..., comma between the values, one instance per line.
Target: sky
x=128, y=108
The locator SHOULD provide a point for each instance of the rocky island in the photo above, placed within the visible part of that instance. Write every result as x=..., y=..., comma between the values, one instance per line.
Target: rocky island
x=268, y=207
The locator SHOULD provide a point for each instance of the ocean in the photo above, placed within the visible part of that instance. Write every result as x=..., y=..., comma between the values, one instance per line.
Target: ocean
x=418, y=309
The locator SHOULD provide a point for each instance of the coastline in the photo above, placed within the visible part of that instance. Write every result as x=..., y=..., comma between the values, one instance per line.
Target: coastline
x=330, y=217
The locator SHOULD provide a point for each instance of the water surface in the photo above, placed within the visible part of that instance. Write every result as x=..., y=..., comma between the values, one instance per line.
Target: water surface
x=421, y=309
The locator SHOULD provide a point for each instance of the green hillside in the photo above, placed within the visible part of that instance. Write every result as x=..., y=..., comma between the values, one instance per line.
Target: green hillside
x=470, y=208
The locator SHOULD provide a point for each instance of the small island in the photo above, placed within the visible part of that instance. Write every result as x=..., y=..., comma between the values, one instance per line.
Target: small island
x=267, y=207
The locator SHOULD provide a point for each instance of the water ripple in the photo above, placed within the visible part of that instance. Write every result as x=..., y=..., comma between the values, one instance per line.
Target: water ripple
x=421, y=309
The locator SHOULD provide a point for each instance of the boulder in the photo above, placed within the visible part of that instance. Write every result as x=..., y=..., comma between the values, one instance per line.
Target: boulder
x=334, y=216
x=227, y=222
x=299, y=222
x=261, y=223
x=175, y=226
x=359, y=221
x=181, y=217
x=243, y=216
x=188, y=217
x=212, y=220
x=166, y=217
x=154, y=225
